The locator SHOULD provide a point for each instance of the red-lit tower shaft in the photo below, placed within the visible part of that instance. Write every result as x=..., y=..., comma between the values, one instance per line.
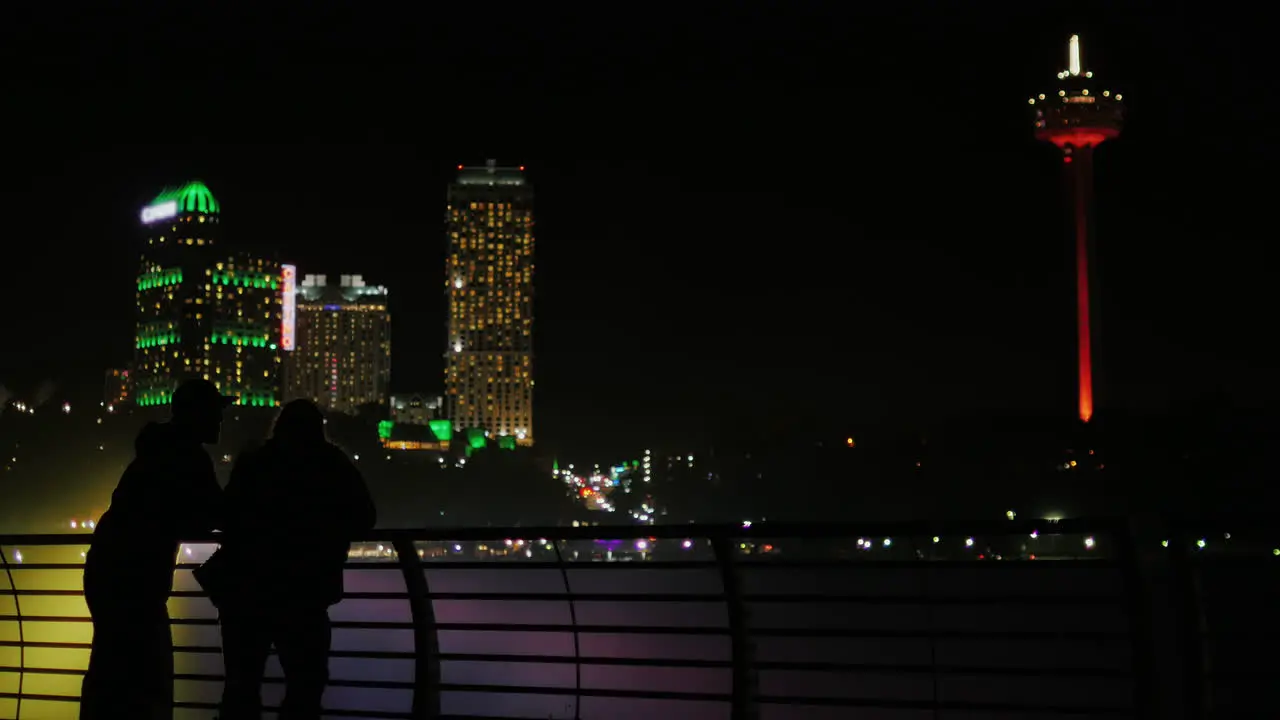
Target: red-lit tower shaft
x=1078, y=166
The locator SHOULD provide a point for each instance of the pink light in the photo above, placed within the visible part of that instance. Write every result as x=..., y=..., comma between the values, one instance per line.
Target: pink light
x=288, y=307
x=1078, y=137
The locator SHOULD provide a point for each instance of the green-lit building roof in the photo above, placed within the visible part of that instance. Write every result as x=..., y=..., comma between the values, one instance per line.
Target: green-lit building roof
x=191, y=197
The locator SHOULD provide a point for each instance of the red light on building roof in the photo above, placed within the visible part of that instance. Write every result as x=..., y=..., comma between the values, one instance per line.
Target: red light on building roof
x=521, y=168
x=459, y=167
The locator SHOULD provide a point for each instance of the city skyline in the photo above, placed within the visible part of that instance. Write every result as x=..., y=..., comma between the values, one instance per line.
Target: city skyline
x=739, y=245
x=326, y=339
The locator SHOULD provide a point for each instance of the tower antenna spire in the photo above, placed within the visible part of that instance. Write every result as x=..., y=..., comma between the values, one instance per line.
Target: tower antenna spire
x=1073, y=55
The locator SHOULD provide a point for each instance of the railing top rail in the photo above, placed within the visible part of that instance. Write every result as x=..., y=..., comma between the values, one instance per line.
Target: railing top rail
x=815, y=531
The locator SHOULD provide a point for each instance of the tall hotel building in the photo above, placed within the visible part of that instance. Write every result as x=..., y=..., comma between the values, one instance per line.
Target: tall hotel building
x=203, y=310
x=342, y=356
x=489, y=276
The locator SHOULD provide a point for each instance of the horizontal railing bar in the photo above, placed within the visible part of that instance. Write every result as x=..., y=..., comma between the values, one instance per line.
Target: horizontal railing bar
x=269, y=680
x=214, y=706
x=921, y=599
x=214, y=650
x=750, y=562
x=942, y=634
x=498, y=566
x=983, y=528
x=381, y=714
x=925, y=599
x=792, y=700
x=585, y=692
x=680, y=664
x=674, y=663
x=213, y=677
x=999, y=670
x=815, y=666
x=688, y=696
x=941, y=705
x=391, y=565
x=882, y=703
x=1097, y=635
x=207, y=622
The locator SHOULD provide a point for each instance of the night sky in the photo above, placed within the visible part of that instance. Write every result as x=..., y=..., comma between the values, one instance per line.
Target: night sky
x=777, y=217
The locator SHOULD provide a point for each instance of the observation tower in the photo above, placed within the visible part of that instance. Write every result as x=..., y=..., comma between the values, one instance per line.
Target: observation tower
x=1077, y=117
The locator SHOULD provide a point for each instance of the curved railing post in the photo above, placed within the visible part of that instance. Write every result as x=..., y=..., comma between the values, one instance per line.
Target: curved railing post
x=1190, y=618
x=426, y=643
x=573, y=618
x=22, y=638
x=744, y=690
x=1138, y=599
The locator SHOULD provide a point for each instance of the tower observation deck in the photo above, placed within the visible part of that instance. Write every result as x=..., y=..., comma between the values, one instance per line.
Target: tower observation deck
x=1077, y=118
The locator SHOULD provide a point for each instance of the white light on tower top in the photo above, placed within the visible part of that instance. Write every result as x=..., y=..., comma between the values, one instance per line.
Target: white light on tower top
x=159, y=211
x=1073, y=55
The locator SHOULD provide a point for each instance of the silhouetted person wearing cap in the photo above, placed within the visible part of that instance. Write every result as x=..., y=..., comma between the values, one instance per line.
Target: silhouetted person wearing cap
x=294, y=506
x=167, y=493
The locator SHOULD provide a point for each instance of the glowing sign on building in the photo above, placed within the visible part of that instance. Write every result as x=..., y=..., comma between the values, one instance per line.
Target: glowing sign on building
x=288, y=306
x=159, y=211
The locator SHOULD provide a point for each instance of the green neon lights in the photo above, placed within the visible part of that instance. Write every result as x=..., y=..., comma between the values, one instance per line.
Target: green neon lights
x=384, y=429
x=442, y=429
x=156, y=338
x=475, y=439
x=241, y=334
x=160, y=278
x=229, y=337
x=248, y=279
x=254, y=398
x=192, y=197
x=507, y=442
x=153, y=396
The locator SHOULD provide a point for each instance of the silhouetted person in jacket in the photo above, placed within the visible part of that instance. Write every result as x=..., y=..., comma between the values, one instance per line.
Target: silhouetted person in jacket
x=294, y=506
x=169, y=492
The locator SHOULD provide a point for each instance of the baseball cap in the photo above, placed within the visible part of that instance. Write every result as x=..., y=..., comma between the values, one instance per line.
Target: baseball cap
x=199, y=395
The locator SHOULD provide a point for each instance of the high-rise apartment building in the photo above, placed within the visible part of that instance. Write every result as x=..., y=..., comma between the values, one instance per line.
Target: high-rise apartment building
x=489, y=277
x=342, y=331
x=203, y=310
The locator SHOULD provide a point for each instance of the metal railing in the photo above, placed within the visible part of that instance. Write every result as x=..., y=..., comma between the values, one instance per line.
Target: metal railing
x=982, y=620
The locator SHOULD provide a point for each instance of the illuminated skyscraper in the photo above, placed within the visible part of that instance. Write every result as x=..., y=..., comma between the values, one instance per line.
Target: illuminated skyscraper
x=203, y=310
x=342, y=357
x=489, y=276
x=1078, y=118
